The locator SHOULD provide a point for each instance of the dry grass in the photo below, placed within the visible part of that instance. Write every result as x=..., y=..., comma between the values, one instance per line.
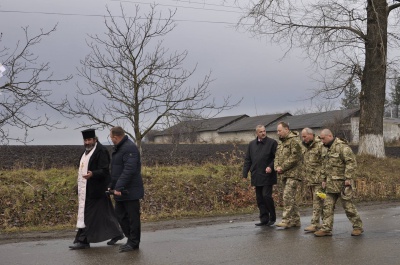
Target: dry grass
x=36, y=199
x=377, y=179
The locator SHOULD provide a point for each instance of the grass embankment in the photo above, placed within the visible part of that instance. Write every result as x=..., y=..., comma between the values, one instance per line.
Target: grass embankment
x=40, y=199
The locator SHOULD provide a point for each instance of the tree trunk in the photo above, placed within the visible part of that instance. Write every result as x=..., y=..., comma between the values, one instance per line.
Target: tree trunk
x=373, y=85
x=139, y=146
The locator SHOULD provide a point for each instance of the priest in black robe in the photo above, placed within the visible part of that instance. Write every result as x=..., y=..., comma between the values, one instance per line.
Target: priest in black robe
x=96, y=220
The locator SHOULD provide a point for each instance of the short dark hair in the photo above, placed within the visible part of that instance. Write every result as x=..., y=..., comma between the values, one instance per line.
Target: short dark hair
x=283, y=124
x=117, y=131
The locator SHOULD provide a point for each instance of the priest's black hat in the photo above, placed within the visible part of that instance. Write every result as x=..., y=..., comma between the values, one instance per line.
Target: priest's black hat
x=88, y=133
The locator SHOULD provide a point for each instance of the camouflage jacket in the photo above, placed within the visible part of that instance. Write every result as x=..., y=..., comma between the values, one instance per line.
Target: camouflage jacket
x=289, y=156
x=312, y=161
x=338, y=164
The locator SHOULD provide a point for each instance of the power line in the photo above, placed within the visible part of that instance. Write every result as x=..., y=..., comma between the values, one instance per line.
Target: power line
x=178, y=6
x=50, y=13
x=200, y=3
x=141, y=3
x=103, y=16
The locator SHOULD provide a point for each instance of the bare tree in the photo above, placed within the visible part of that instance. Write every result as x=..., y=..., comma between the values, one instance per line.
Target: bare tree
x=351, y=97
x=340, y=127
x=140, y=83
x=346, y=39
x=318, y=105
x=24, y=87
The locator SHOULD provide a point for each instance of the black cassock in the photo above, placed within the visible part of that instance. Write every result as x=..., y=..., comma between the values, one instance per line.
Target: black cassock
x=100, y=221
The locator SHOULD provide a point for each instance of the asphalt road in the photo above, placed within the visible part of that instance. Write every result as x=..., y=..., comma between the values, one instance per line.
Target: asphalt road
x=234, y=242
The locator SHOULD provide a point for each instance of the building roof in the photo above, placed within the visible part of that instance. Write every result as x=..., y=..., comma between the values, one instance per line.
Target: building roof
x=314, y=120
x=250, y=123
x=203, y=125
x=391, y=120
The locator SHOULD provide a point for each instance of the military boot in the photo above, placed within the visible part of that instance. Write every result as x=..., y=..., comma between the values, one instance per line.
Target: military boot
x=311, y=228
x=357, y=231
x=283, y=224
x=297, y=224
x=321, y=233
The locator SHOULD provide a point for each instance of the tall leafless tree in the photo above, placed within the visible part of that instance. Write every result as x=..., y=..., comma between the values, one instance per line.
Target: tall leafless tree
x=26, y=86
x=135, y=82
x=347, y=39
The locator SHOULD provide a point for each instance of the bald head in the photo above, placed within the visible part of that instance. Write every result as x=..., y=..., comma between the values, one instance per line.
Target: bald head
x=307, y=135
x=326, y=136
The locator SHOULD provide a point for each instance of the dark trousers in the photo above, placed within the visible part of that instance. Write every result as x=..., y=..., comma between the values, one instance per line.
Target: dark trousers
x=265, y=203
x=128, y=215
x=81, y=236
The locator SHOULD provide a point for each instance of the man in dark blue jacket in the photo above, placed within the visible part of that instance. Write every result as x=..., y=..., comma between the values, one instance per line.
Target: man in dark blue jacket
x=259, y=161
x=127, y=183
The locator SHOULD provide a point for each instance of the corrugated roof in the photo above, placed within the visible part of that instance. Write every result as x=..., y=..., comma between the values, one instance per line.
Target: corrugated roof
x=250, y=123
x=314, y=120
x=213, y=124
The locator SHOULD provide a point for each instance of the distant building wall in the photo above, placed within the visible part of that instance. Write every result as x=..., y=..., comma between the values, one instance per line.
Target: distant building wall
x=162, y=139
x=238, y=137
x=391, y=131
x=208, y=137
x=354, y=124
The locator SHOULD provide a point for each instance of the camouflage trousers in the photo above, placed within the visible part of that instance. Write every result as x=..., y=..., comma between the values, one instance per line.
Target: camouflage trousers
x=291, y=213
x=329, y=208
x=318, y=205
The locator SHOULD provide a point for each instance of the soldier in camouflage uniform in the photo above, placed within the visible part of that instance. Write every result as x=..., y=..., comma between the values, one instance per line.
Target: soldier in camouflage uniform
x=339, y=165
x=288, y=160
x=312, y=148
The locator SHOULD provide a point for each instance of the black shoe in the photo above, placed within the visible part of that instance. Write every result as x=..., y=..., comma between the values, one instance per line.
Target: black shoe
x=262, y=223
x=79, y=245
x=127, y=247
x=114, y=240
x=270, y=223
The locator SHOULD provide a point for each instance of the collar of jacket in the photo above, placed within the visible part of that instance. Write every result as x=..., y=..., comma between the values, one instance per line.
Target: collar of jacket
x=330, y=143
x=123, y=140
x=262, y=140
x=312, y=143
x=290, y=134
x=307, y=145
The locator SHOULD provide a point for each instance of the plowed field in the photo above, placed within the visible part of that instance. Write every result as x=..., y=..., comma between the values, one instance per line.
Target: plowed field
x=56, y=156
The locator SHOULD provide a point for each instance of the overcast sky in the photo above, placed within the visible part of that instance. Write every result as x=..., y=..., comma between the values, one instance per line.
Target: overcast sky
x=242, y=66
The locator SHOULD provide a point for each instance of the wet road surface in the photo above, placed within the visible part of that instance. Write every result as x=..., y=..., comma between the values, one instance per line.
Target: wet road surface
x=232, y=243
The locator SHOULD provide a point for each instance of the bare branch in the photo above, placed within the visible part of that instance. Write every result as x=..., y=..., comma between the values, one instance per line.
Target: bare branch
x=137, y=81
x=27, y=87
x=346, y=41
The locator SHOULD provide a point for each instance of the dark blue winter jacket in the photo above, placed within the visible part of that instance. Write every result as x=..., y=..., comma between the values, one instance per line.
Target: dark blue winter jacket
x=125, y=171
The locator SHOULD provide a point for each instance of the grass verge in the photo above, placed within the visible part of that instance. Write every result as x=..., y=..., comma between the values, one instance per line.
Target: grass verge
x=33, y=200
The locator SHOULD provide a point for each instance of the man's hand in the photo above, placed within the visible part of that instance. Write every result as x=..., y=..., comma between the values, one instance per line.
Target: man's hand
x=268, y=170
x=88, y=175
x=347, y=182
x=323, y=184
x=117, y=193
x=279, y=170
